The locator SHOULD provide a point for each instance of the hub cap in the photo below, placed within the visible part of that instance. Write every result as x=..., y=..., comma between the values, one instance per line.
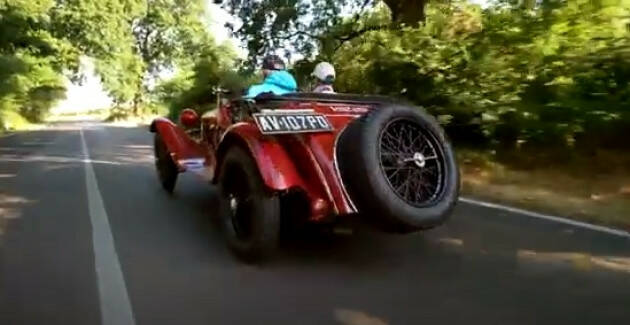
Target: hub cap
x=240, y=205
x=233, y=205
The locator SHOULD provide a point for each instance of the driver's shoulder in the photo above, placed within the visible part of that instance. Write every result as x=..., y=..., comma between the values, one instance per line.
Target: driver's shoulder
x=254, y=90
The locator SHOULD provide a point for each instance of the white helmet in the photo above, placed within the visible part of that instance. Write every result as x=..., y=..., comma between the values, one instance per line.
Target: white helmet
x=325, y=72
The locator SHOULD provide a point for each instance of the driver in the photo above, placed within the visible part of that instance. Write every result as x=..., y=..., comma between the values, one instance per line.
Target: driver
x=278, y=80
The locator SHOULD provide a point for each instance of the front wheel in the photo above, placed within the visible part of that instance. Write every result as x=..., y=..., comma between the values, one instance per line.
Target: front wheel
x=249, y=214
x=166, y=169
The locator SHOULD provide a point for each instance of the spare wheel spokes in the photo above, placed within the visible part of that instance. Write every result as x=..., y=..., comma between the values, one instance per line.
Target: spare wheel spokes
x=411, y=161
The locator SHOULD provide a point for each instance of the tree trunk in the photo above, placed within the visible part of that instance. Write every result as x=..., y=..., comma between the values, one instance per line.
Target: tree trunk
x=137, y=102
x=408, y=12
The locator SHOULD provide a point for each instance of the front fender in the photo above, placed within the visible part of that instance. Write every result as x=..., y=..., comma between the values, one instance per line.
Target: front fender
x=184, y=150
x=274, y=163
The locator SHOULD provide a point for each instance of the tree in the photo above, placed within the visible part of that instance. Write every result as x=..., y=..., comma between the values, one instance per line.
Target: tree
x=196, y=84
x=168, y=31
x=31, y=59
x=130, y=41
x=550, y=75
x=296, y=24
x=102, y=30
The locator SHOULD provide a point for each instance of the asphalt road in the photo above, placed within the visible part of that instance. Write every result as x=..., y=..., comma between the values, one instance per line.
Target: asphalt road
x=484, y=267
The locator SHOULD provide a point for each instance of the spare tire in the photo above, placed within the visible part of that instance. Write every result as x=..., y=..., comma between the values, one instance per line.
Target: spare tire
x=399, y=168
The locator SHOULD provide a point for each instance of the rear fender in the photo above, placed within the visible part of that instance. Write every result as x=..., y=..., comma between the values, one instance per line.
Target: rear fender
x=186, y=153
x=275, y=164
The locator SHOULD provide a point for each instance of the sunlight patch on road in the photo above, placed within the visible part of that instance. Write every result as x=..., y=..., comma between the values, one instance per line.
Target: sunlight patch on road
x=126, y=154
x=614, y=263
x=575, y=260
x=11, y=208
x=137, y=146
x=134, y=159
x=36, y=143
x=53, y=159
x=132, y=123
x=12, y=199
x=135, y=153
x=451, y=241
x=353, y=317
x=9, y=213
x=16, y=149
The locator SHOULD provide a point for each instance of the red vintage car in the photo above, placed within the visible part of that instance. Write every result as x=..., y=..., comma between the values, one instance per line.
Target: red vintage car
x=316, y=158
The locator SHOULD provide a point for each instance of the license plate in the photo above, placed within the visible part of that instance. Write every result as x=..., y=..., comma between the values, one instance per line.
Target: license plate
x=278, y=123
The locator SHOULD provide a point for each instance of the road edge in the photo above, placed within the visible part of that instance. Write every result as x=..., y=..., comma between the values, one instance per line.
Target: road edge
x=532, y=214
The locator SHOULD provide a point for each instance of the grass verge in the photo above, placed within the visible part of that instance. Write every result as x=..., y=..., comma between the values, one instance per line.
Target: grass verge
x=12, y=121
x=88, y=115
x=110, y=116
x=582, y=189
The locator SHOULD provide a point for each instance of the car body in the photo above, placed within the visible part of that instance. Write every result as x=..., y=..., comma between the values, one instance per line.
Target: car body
x=293, y=141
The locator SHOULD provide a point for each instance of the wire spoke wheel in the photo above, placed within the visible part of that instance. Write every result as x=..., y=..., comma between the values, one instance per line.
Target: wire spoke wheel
x=412, y=162
x=161, y=162
x=399, y=168
x=241, y=209
x=166, y=169
x=250, y=214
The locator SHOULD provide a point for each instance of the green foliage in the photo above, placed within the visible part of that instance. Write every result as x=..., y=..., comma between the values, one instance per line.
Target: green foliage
x=157, y=36
x=196, y=85
x=31, y=59
x=11, y=120
x=518, y=74
x=103, y=30
x=556, y=74
x=310, y=26
x=167, y=31
x=130, y=41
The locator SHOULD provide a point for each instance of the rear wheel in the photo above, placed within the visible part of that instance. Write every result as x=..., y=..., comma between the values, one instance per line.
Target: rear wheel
x=249, y=214
x=166, y=169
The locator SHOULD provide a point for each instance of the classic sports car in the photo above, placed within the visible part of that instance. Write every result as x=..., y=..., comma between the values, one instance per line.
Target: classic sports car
x=317, y=158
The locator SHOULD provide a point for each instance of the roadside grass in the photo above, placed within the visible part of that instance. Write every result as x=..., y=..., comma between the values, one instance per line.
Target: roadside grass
x=12, y=121
x=595, y=189
x=132, y=121
x=110, y=116
x=86, y=115
x=125, y=118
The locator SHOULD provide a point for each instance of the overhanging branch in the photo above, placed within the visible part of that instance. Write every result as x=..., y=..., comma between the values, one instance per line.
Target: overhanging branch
x=357, y=33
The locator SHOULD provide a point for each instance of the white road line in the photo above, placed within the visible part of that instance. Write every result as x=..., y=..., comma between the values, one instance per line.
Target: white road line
x=114, y=300
x=6, y=136
x=532, y=214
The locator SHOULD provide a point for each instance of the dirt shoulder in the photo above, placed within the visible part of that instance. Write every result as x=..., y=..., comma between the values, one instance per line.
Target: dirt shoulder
x=580, y=191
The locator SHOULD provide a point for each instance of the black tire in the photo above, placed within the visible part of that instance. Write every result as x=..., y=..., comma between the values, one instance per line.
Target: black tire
x=166, y=169
x=372, y=171
x=249, y=214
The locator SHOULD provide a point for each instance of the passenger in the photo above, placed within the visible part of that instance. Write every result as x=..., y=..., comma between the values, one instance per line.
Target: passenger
x=277, y=80
x=324, y=74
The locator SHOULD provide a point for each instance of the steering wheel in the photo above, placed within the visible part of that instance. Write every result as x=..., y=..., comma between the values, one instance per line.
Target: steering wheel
x=242, y=109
